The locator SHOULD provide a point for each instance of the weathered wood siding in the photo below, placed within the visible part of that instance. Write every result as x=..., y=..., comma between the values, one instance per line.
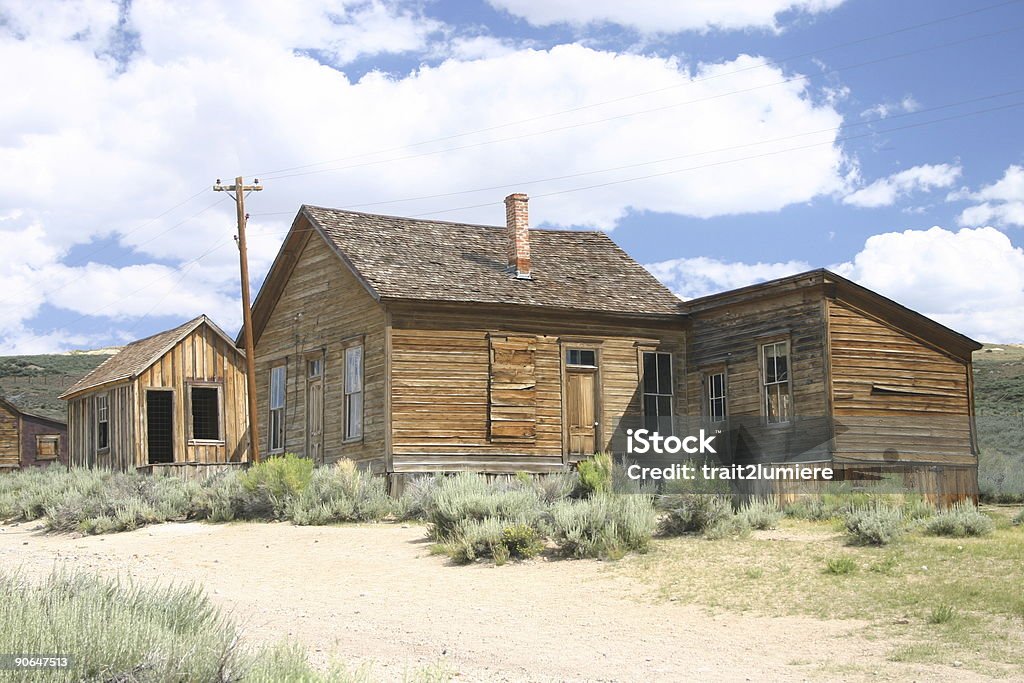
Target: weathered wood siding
x=440, y=391
x=896, y=398
x=206, y=358
x=10, y=438
x=324, y=308
x=728, y=338
x=120, y=454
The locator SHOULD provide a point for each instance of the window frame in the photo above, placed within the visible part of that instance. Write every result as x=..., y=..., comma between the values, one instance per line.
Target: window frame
x=671, y=395
x=192, y=440
x=767, y=387
x=710, y=398
x=281, y=431
x=105, y=410
x=569, y=350
x=55, y=439
x=348, y=435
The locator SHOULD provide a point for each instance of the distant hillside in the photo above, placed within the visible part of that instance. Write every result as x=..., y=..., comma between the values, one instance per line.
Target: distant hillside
x=33, y=383
x=999, y=402
x=999, y=379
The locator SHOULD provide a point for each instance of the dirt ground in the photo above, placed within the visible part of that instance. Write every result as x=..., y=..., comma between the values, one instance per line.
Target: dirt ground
x=374, y=596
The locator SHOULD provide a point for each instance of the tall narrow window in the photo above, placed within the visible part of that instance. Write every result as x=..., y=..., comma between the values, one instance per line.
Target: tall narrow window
x=205, y=413
x=775, y=371
x=657, y=385
x=716, y=396
x=277, y=393
x=354, y=392
x=102, y=422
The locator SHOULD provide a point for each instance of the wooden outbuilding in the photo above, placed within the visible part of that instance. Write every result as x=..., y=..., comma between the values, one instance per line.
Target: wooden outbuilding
x=28, y=439
x=417, y=346
x=174, y=400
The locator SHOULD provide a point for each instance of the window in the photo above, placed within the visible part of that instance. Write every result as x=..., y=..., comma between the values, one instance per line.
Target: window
x=315, y=368
x=47, y=445
x=586, y=358
x=102, y=422
x=354, y=392
x=775, y=372
x=657, y=385
x=205, y=413
x=277, y=389
x=716, y=396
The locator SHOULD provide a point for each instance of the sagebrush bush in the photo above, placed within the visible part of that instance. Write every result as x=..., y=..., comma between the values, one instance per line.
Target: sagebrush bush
x=341, y=493
x=417, y=497
x=963, y=519
x=695, y=513
x=603, y=525
x=596, y=474
x=273, y=484
x=120, y=631
x=557, y=486
x=761, y=513
x=468, y=496
x=729, y=527
x=874, y=525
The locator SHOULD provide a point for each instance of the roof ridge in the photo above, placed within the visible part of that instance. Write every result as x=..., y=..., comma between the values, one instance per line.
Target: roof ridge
x=442, y=222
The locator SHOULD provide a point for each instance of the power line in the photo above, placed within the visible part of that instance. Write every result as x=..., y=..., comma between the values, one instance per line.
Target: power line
x=666, y=159
x=644, y=111
x=905, y=29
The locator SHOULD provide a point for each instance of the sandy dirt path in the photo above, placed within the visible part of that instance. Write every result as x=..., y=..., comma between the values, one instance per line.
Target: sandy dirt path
x=373, y=595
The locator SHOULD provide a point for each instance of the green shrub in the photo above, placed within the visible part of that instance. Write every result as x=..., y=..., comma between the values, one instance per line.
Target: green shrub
x=729, y=527
x=874, y=525
x=522, y=541
x=273, y=484
x=761, y=513
x=840, y=564
x=963, y=519
x=695, y=513
x=470, y=539
x=596, y=474
x=417, y=497
x=942, y=614
x=341, y=493
x=808, y=507
x=557, y=486
x=222, y=498
x=604, y=525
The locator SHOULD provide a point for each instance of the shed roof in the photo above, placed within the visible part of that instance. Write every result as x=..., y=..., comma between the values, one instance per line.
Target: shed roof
x=11, y=405
x=137, y=356
x=407, y=258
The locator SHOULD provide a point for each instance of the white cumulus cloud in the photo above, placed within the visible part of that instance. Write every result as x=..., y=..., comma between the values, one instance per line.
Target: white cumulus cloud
x=1002, y=202
x=659, y=16
x=885, y=191
x=694, y=277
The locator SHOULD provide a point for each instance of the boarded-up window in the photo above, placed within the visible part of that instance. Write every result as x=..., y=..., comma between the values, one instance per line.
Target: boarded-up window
x=513, y=388
x=47, y=445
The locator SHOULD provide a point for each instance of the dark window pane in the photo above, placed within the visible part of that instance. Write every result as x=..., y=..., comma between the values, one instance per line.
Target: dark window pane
x=664, y=373
x=205, y=414
x=781, y=368
x=665, y=406
x=650, y=373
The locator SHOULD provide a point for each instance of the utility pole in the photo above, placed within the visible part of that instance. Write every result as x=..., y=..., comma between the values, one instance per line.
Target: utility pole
x=240, y=189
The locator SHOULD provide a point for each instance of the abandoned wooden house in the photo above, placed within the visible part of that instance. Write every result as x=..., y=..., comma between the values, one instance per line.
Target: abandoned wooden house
x=174, y=400
x=417, y=346
x=28, y=439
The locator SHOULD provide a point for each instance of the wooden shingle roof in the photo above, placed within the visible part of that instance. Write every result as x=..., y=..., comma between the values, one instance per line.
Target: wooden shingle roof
x=405, y=258
x=137, y=356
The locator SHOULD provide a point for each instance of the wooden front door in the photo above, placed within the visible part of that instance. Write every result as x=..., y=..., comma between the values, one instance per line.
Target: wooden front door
x=581, y=411
x=315, y=419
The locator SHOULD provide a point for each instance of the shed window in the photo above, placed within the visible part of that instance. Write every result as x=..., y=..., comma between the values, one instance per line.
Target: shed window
x=205, y=413
x=354, y=392
x=716, y=396
x=102, y=422
x=277, y=388
x=47, y=445
x=775, y=372
x=657, y=386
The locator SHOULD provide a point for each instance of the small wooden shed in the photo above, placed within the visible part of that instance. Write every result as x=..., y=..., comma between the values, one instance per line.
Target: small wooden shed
x=175, y=399
x=27, y=439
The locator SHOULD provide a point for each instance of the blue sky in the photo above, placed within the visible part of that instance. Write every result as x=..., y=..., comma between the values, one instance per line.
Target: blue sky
x=798, y=133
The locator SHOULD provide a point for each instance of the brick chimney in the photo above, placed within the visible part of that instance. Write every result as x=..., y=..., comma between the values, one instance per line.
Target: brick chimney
x=517, y=219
